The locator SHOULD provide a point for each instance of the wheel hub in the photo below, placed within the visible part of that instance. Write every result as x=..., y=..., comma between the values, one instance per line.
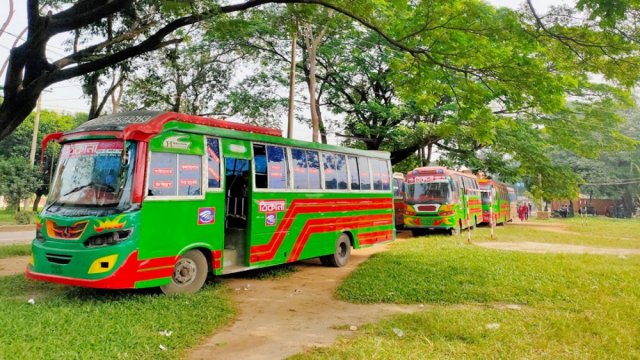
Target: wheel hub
x=184, y=272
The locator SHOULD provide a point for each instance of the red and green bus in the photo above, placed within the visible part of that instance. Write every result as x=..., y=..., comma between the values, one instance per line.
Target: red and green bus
x=497, y=193
x=440, y=198
x=398, y=199
x=154, y=199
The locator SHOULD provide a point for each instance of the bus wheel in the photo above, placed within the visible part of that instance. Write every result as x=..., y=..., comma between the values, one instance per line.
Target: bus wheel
x=189, y=274
x=418, y=232
x=453, y=231
x=342, y=252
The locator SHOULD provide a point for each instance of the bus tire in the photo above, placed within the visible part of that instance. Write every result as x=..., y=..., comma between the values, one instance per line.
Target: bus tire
x=189, y=274
x=418, y=232
x=324, y=260
x=342, y=252
x=453, y=231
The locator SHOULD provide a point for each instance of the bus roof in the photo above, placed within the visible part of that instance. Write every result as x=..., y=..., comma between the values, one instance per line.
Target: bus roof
x=437, y=170
x=141, y=123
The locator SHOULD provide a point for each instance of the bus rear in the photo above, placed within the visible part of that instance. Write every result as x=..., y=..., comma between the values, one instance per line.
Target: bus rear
x=432, y=202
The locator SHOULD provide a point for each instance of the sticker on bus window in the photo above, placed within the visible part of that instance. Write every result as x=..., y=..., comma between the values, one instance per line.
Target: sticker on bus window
x=270, y=219
x=163, y=171
x=269, y=206
x=206, y=216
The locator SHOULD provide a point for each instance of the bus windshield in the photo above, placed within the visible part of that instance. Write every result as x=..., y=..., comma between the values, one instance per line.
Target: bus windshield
x=432, y=192
x=92, y=173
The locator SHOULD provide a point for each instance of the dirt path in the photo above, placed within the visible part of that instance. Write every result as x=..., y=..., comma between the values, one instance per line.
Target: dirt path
x=13, y=265
x=551, y=227
x=536, y=247
x=282, y=317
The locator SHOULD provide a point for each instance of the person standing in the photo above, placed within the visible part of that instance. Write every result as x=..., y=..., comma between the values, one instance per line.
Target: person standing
x=521, y=213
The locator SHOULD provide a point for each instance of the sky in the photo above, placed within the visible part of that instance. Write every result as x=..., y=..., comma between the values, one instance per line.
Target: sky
x=67, y=96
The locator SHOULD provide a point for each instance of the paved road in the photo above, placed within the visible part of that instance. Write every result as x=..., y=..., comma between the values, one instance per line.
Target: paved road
x=16, y=237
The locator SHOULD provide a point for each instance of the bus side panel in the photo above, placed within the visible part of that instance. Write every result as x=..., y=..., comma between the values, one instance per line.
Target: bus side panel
x=311, y=223
x=170, y=227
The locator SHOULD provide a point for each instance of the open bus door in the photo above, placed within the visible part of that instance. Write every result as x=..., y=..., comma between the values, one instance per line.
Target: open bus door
x=237, y=191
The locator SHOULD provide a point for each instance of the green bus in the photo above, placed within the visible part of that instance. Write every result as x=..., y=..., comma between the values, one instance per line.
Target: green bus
x=154, y=199
x=440, y=198
x=497, y=194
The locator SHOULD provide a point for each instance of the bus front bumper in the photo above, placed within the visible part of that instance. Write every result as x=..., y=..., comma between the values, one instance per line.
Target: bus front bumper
x=122, y=278
x=429, y=222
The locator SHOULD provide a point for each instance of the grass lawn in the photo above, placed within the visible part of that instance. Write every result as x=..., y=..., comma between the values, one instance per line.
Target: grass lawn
x=568, y=306
x=7, y=217
x=75, y=323
x=14, y=250
x=592, y=231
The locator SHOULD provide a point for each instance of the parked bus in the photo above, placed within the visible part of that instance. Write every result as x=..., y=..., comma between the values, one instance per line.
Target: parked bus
x=398, y=199
x=437, y=198
x=151, y=199
x=501, y=203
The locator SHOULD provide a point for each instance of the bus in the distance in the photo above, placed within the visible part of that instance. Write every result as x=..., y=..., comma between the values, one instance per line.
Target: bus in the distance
x=438, y=198
x=496, y=193
x=398, y=199
x=152, y=199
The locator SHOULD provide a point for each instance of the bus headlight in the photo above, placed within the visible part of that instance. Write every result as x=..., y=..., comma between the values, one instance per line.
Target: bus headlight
x=39, y=235
x=446, y=210
x=111, y=238
x=409, y=210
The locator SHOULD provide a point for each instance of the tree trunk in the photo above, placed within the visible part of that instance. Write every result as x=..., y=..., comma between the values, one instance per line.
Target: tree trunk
x=429, y=153
x=292, y=84
x=36, y=202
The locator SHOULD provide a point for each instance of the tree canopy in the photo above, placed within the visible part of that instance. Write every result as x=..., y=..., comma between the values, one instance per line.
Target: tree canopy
x=492, y=89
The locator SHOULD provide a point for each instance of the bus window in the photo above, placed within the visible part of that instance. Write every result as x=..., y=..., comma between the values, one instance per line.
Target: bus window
x=277, y=167
x=300, y=172
x=365, y=176
x=355, y=176
x=431, y=192
x=189, y=175
x=314, y=169
x=341, y=172
x=376, y=173
x=397, y=188
x=260, y=164
x=330, y=175
x=213, y=163
x=162, y=174
x=175, y=174
x=385, y=174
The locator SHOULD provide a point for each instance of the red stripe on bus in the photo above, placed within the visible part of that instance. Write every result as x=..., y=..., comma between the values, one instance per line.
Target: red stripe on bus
x=315, y=226
x=303, y=206
x=375, y=237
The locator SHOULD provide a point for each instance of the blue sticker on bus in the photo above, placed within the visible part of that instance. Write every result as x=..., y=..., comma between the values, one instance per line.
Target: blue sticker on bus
x=206, y=216
x=270, y=219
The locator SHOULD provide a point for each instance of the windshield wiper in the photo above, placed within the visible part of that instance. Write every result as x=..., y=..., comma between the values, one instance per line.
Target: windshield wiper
x=107, y=187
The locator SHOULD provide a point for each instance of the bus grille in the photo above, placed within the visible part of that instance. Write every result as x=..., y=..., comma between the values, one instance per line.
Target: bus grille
x=427, y=208
x=59, y=258
x=66, y=232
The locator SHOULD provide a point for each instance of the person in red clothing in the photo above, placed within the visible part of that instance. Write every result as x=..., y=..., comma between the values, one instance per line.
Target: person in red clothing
x=521, y=212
